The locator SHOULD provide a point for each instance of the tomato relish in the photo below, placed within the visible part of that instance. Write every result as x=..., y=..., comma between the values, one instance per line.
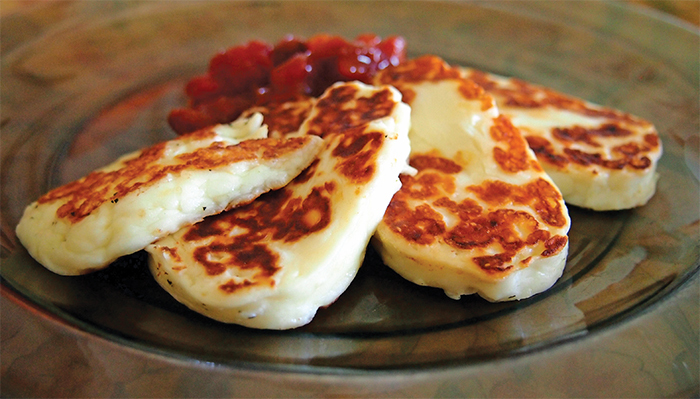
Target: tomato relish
x=258, y=73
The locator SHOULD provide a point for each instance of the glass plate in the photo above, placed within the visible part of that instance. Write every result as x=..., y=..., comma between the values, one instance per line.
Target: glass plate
x=93, y=80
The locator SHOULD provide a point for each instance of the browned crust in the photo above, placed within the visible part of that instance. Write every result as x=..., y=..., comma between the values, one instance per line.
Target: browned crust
x=84, y=196
x=476, y=226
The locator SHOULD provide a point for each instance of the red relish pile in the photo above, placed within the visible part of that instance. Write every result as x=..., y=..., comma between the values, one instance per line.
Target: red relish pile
x=258, y=73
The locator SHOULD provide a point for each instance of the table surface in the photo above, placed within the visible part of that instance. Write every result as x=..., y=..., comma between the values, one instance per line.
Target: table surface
x=683, y=10
x=686, y=10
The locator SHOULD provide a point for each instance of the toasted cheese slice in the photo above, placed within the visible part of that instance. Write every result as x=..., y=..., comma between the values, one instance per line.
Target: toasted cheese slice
x=273, y=263
x=119, y=209
x=480, y=216
x=600, y=158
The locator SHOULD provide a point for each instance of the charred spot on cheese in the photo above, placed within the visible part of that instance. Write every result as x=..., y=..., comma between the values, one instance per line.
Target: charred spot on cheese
x=526, y=95
x=545, y=151
x=421, y=225
x=358, y=153
x=340, y=109
x=308, y=173
x=278, y=215
x=218, y=256
x=426, y=68
x=494, y=264
x=652, y=140
x=428, y=184
x=629, y=154
x=472, y=91
x=627, y=159
x=172, y=252
x=539, y=194
x=554, y=245
x=444, y=165
x=283, y=118
x=233, y=286
x=588, y=135
x=514, y=158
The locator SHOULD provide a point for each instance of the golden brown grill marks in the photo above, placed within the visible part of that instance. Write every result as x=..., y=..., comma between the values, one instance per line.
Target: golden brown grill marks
x=554, y=245
x=172, y=253
x=239, y=241
x=426, y=68
x=422, y=162
x=248, y=256
x=417, y=213
x=472, y=91
x=539, y=195
x=527, y=95
x=588, y=136
x=630, y=150
x=630, y=154
x=358, y=153
x=341, y=111
x=421, y=225
x=89, y=193
x=514, y=158
x=431, y=69
x=427, y=183
x=545, y=151
x=283, y=118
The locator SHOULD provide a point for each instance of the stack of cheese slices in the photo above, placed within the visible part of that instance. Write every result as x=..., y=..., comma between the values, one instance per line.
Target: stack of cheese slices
x=457, y=177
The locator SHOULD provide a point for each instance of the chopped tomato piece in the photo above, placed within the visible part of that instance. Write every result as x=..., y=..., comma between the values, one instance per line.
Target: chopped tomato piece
x=257, y=73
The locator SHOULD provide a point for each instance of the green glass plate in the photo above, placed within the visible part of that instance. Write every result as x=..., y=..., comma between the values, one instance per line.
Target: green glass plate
x=85, y=82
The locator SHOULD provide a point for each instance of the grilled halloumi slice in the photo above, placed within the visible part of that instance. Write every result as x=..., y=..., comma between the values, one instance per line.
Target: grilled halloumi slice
x=599, y=158
x=273, y=263
x=119, y=209
x=480, y=216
